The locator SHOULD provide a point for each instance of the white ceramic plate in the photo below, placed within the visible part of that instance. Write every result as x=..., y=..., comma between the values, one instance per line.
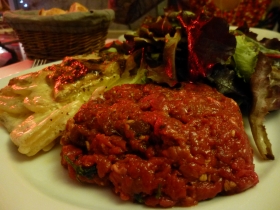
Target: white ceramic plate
x=42, y=183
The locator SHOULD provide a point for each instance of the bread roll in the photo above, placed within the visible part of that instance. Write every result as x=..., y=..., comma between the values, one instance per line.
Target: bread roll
x=53, y=11
x=77, y=7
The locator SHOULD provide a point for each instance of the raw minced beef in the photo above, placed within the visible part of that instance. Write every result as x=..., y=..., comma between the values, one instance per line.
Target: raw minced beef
x=160, y=146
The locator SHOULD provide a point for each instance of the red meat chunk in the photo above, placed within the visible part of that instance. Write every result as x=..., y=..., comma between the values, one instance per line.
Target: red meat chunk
x=160, y=146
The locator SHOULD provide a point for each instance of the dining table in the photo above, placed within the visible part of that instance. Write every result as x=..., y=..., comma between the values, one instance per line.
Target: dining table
x=15, y=68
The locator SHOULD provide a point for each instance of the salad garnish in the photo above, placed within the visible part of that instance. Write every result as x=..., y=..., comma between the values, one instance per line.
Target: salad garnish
x=181, y=46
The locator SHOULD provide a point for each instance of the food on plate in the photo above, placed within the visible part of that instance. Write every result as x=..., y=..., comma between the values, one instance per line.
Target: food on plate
x=75, y=7
x=182, y=46
x=158, y=116
x=160, y=146
x=263, y=75
x=35, y=107
x=40, y=102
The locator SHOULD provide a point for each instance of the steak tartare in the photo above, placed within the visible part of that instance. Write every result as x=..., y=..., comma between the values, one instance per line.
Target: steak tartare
x=160, y=146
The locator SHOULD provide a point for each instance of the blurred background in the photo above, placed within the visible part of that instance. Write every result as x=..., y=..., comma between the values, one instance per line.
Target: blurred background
x=155, y=8
x=11, y=50
x=236, y=11
x=130, y=13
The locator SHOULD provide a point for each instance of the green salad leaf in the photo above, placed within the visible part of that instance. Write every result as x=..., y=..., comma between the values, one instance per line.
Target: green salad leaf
x=245, y=57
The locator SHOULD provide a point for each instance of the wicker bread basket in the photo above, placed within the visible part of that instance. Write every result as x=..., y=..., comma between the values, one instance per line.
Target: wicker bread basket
x=57, y=36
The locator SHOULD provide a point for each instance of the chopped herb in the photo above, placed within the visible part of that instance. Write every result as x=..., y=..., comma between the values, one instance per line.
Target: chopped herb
x=139, y=198
x=158, y=193
x=82, y=171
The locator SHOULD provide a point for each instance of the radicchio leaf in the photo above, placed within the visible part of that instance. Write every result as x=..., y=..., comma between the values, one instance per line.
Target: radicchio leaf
x=209, y=43
x=166, y=73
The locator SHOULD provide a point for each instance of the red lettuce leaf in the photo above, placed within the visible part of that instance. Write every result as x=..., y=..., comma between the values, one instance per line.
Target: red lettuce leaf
x=209, y=43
